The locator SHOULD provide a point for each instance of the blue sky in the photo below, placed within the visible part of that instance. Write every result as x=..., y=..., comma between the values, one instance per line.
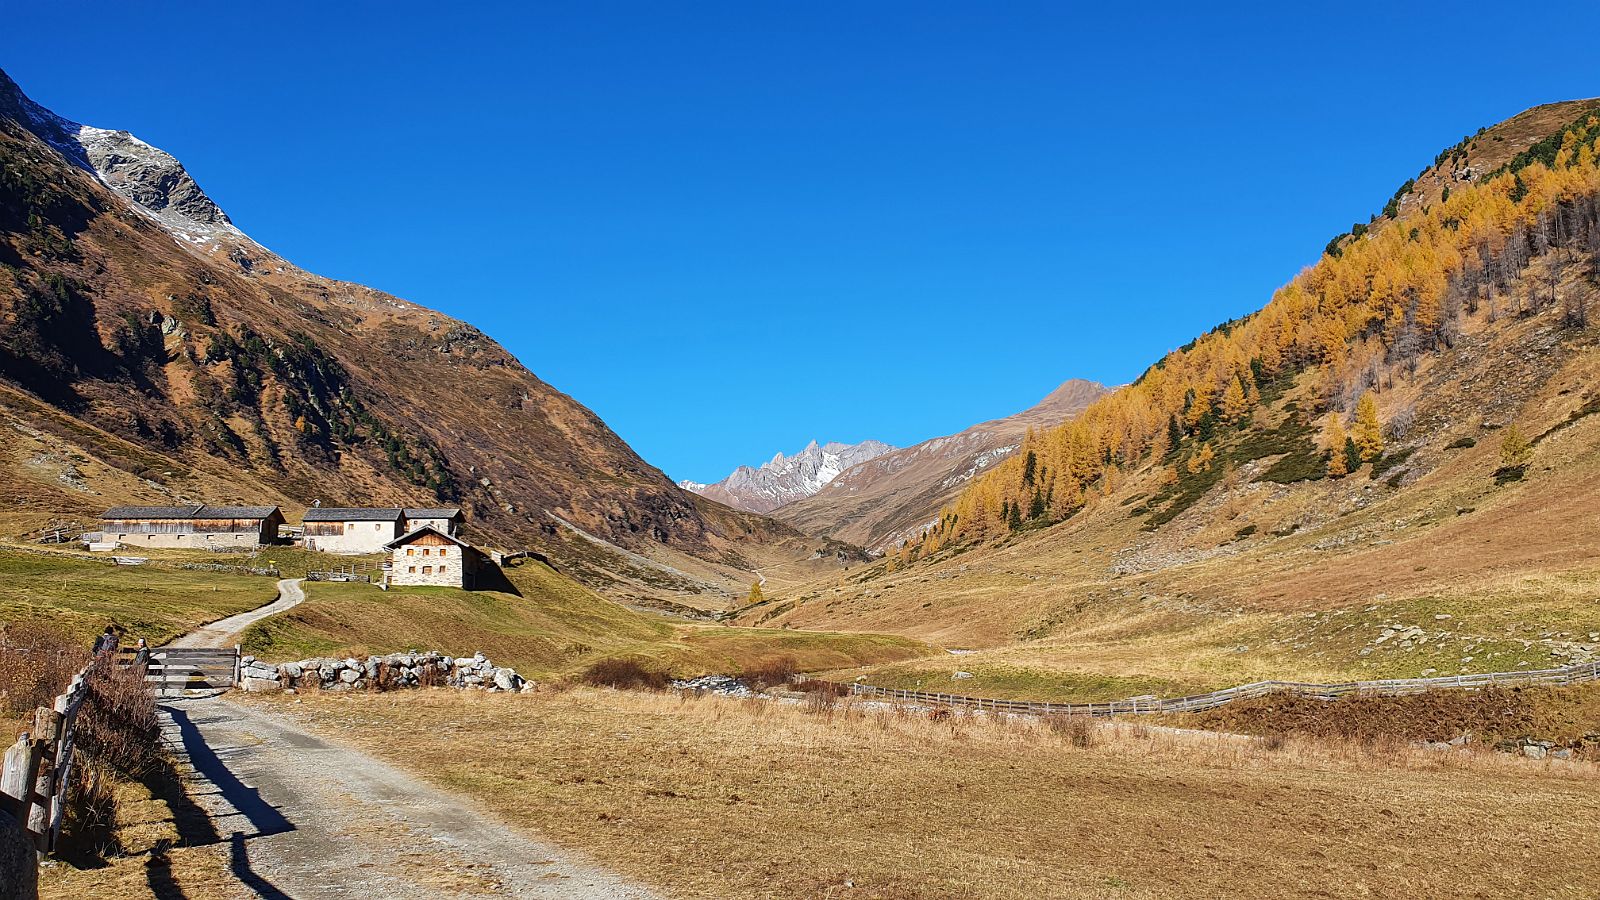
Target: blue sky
x=729, y=228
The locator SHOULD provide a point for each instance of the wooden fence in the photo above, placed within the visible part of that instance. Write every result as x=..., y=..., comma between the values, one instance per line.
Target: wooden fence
x=177, y=669
x=38, y=767
x=1198, y=702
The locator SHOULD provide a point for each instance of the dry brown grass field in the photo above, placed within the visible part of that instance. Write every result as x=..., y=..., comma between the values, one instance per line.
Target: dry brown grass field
x=712, y=797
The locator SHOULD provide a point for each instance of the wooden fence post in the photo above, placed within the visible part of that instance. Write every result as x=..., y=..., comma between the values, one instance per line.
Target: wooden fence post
x=17, y=777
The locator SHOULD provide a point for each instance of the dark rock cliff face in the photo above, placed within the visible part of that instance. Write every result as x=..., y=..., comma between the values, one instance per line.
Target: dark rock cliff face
x=165, y=341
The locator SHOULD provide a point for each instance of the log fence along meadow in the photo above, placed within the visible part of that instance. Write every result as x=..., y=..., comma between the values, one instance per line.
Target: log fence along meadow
x=1199, y=702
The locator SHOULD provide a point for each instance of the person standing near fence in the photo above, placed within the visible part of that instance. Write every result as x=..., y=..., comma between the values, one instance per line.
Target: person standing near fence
x=106, y=644
x=141, y=659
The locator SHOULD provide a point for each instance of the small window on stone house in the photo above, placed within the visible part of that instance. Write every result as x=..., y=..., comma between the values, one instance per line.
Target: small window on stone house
x=411, y=569
x=443, y=550
x=441, y=570
x=427, y=570
x=411, y=551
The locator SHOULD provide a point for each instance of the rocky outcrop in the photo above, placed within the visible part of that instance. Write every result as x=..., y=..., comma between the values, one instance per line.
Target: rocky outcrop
x=391, y=672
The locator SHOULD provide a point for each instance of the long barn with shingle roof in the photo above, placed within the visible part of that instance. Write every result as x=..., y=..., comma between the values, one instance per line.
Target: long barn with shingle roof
x=196, y=526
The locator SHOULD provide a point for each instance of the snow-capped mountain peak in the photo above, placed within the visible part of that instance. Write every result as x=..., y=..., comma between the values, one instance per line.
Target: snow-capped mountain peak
x=152, y=178
x=785, y=479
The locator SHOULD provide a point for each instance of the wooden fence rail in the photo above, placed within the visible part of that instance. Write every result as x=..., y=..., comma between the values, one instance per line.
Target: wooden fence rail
x=1198, y=702
x=170, y=669
x=38, y=768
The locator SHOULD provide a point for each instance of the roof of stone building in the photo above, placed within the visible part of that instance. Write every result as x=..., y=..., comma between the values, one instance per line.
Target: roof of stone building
x=353, y=514
x=196, y=511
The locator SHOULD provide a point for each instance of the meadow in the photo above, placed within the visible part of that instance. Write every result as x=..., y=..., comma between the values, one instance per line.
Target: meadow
x=712, y=797
x=546, y=625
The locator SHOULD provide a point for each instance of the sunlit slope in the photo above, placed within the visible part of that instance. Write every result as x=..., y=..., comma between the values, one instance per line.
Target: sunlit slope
x=1190, y=532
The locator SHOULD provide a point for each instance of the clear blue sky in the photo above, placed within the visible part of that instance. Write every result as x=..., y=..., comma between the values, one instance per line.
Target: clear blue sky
x=729, y=228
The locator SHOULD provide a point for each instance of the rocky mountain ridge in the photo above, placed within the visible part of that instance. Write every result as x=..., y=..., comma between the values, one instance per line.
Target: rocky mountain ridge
x=786, y=479
x=894, y=495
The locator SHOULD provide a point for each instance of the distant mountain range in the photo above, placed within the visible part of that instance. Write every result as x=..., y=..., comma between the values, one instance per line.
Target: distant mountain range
x=785, y=479
x=893, y=495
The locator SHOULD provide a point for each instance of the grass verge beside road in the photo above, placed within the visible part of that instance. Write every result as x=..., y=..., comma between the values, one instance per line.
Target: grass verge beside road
x=79, y=596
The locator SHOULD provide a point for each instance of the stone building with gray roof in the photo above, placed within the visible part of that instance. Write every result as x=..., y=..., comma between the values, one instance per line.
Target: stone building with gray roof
x=195, y=526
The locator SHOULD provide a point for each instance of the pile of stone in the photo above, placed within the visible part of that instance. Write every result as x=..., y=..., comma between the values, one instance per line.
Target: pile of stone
x=396, y=670
x=714, y=684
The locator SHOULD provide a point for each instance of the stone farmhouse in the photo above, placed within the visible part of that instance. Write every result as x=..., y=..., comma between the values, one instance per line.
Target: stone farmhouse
x=355, y=530
x=432, y=556
x=197, y=526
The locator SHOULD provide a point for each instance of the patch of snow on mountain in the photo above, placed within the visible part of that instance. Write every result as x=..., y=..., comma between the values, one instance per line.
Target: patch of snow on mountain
x=153, y=179
x=785, y=479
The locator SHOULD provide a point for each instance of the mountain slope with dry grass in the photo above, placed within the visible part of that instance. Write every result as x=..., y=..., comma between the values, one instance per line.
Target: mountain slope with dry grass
x=151, y=353
x=886, y=499
x=1186, y=571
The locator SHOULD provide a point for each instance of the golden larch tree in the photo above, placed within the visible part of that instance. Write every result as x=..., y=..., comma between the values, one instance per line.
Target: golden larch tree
x=1368, y=432
x=1338, y=466
x=1516, y=451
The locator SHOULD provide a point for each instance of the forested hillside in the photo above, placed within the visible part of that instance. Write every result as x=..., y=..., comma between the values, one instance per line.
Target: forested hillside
x=1472, y=243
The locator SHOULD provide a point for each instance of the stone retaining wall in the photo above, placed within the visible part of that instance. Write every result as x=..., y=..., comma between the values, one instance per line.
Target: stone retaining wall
x=396, y=670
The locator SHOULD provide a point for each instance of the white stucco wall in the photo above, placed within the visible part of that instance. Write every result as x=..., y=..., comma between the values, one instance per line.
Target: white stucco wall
x=358, y=537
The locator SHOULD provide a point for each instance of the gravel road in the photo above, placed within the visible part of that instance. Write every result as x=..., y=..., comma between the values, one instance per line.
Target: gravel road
x=219, y=633
x=307, y=819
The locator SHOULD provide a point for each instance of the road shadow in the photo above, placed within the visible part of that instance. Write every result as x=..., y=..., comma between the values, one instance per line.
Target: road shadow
x=264, y=818
x=239, y=862
x=196, y=828
x=158, y=874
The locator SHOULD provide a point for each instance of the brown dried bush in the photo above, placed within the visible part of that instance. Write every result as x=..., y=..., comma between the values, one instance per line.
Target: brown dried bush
x=36, y=664
x=624, y=673
x=769, y=673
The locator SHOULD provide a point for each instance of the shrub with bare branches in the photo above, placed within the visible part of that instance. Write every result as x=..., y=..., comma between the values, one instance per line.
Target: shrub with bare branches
x=624, y=673
x=771, y=672
x=36, y=664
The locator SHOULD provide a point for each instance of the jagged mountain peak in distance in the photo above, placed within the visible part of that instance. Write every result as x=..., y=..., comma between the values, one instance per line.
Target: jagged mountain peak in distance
x=892, y=496
x=785, y=479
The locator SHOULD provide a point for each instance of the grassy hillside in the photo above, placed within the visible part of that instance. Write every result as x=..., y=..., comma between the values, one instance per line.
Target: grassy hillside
x=1192, y=532
x=551, y=626
x=82, y=595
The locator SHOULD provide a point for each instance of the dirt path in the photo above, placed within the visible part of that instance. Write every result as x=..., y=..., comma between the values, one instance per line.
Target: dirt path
x=308, y=819
x=218, y=633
